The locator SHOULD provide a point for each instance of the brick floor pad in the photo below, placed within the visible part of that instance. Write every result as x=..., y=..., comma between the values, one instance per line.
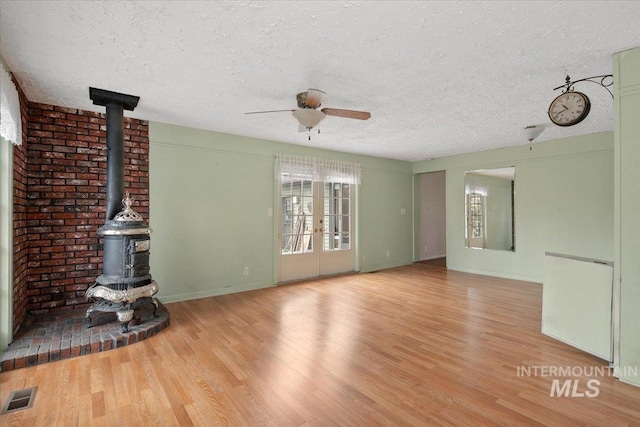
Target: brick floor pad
x=48, y=338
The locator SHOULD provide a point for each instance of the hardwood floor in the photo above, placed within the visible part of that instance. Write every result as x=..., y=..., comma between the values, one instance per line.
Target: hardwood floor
x=411, y=346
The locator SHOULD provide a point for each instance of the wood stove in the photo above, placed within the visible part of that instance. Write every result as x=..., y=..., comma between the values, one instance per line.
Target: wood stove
x=125, y=283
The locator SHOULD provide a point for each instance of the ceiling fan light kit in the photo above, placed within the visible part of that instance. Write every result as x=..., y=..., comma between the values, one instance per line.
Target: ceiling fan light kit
x=533, y=131
x=308, y=117
x=307, y=114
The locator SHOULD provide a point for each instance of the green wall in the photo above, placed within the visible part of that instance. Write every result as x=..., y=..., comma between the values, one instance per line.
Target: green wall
x=384, y=229
x=6, y=244
x=563, y=203
x=626, y=77
x=210, y=194
x=6, y=240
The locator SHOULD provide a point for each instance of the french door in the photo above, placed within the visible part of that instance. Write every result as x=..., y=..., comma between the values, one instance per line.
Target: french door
x=316, y=230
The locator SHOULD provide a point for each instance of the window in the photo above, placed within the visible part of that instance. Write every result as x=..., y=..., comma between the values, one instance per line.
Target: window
x=476, y=215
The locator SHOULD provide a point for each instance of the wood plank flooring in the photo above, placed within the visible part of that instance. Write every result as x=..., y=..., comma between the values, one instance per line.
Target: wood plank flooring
x=410, y=346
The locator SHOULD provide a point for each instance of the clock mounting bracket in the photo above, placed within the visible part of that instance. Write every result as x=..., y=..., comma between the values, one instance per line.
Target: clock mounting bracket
x=605, y=80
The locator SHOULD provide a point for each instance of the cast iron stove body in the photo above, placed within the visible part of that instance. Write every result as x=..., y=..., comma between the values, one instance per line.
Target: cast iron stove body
x=125, y=283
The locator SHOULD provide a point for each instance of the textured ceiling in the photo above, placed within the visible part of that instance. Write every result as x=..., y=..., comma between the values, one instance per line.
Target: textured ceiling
x=439, y=78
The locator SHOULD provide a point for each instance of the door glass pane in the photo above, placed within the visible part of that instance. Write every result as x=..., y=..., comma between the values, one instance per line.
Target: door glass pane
x=345, y=206
x=337, y=217
x=307, y=188
x=345, y=223
x=297, y=217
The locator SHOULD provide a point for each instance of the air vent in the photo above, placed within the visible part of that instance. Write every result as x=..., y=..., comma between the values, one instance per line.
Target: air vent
x=20, y=399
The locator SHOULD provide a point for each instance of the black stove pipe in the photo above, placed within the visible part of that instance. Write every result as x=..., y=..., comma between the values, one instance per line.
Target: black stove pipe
x=115, y=103
x=115, y=159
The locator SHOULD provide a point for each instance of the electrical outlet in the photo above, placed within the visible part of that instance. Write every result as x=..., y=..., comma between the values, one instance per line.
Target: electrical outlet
x=270, y=212
x=425, y=249
x=388, y=253
x=245, y=271
x=403, y=211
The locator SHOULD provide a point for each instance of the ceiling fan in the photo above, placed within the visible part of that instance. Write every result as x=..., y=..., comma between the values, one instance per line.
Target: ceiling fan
x=309, y=116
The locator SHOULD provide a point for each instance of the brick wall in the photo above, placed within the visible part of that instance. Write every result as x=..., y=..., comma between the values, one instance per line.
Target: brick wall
x=20, y=231
x=65, y=192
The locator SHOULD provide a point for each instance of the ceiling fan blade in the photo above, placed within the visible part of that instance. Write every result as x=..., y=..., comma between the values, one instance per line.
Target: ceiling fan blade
x=314, y=98
x=349, y=114
x=271, y=111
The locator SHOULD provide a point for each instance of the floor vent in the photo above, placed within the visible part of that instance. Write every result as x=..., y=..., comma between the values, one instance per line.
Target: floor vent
x=20, y=399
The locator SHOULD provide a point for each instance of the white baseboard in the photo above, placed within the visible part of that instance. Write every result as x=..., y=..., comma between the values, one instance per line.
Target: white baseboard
x=635, y=381
x=371, y=268
x=432, y=257
x=495, y=274
x=213, y=292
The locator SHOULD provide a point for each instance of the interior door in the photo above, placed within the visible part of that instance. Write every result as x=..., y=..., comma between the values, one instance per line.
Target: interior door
x=299, y=235
x=316, y=229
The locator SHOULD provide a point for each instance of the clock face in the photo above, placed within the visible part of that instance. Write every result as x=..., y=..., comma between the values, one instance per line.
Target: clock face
x=569, y=109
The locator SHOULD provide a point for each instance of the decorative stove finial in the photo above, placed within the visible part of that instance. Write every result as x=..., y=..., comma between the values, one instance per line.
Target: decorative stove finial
x=127, y=201
x=128, y=214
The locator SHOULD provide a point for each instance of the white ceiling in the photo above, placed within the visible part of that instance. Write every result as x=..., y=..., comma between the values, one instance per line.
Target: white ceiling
x=439, y=78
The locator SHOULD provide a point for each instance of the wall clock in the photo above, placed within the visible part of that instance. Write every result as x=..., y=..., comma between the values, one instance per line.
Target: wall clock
x=569, y=109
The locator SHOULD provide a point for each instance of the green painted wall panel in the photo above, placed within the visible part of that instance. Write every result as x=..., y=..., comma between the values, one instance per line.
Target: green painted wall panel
x=212, y=208
x=627, y=257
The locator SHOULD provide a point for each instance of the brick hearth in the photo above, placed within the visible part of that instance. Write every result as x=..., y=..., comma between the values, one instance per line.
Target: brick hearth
x=48, y=338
